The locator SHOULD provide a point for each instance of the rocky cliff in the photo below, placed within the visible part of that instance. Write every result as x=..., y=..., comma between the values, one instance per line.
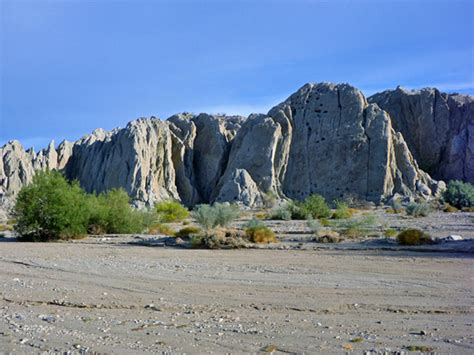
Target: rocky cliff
x=438, y=128
x=325, y=139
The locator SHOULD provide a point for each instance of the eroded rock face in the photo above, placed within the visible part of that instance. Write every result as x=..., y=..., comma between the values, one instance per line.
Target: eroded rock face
x=438, y=129
x=325, y=139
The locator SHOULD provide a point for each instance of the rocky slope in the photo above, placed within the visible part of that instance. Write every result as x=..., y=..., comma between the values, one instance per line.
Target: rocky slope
x=325, y=139
x=438, y=128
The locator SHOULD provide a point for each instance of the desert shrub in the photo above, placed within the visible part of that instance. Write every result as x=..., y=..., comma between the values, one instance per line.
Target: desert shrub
x=51, y=208
x=314, y=225
x=225, y=213
x=459, y=194
x=418, y=209
x=325, y=222
x=269, y=199
x=205, y=215
x=111, y=213
x=220, y=238
x=219, y=214
x=396, y=207
x=188, y=231
x=171, y=211
x=342, y=211
x=450, y=209
x=358, y=227
x=282, y=213
x=258, y=232
x=314, y=206
x=328, y=236
x=261, y=215
x=390, y=233
x=161, y=228
x=11, y=222
x=413, y=237
x=5, y=227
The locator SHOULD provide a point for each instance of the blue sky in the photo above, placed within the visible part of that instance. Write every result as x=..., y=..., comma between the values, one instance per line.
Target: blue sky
x=70, y=66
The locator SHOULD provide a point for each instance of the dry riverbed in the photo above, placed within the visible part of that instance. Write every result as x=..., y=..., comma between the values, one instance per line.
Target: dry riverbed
x=114, y=295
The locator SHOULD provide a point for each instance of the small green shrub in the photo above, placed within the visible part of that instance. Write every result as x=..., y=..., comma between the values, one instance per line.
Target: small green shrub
x=314, y=206
x=342, y=211
x=390, y=233
x=226, y=213
x=358, y=227
x=269, y=199
x=418, y=209
x=187, y=232
x=219, y=214
x=396, y=208
x=413, y=237
x=325, y=222
x=171, y=211
x=459, y=194
x=314, y=225
x=282, y=213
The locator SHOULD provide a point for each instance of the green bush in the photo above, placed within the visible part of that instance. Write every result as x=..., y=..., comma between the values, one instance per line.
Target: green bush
x=418, y=209
x=111, y=213
x=358, y=227
x=282, y=213
x=413, y=237
x=342, y=211
x=314, y=206
x=171, y=211
x=314, y=225
x=459, y=194
x=219, y=214
x=269, y=199
x=51, y=208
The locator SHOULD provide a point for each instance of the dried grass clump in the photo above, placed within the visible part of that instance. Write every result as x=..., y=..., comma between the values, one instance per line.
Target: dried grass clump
x=257, y=232
x=450, y=209
x=390, y=233
x=413, y=237
x=261, y=215
x=160, y=229
x=260, y=234
x=187, y=232
x=5, y=227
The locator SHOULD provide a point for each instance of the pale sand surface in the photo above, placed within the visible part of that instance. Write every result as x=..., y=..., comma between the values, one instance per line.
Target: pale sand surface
x=119, y=298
